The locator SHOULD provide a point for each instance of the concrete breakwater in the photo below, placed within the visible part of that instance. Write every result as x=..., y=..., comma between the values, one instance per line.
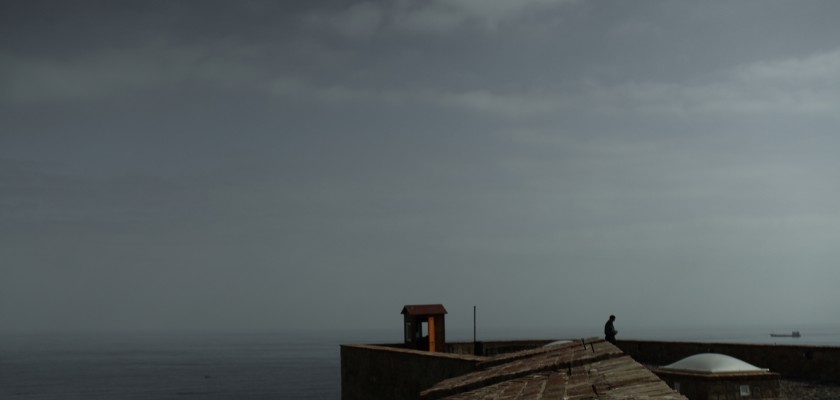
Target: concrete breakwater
x=391, y=371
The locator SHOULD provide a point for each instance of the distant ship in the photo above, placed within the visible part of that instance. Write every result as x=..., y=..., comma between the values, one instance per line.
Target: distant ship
x=792, y=334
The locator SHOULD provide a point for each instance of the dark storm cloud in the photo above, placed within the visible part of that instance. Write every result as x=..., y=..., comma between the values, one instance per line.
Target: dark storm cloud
x=228, y=165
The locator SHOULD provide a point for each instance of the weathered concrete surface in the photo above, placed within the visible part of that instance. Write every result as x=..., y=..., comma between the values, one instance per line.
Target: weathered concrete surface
x=820, y=363
x=712, y=386
x=380, y=372
x=592, y=369
x=389, y=372
x=495, y=347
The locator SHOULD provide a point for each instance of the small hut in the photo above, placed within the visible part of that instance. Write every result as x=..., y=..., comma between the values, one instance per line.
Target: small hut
x=425, y=317
x=712, y=376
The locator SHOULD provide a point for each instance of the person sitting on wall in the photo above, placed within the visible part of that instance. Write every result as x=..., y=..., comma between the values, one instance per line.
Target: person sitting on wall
x=609, y=330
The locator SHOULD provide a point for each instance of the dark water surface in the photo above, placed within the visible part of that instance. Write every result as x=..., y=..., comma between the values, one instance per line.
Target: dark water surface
x=300, y=365
x=167, y=366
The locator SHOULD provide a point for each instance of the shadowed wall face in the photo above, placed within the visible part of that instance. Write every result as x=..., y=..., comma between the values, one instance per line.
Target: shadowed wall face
x=700, y=387
x=371, y=372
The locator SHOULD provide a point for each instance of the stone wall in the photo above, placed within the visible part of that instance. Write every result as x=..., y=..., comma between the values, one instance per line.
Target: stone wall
x=496, y=347
x=798, y=362
x=722, y=386
x=392, y=372
x=386, y=372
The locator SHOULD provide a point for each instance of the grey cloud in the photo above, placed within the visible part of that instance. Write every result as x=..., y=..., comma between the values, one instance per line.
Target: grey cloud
x=249, y=158
x=441, y=16
x=122, y=72
x=36, y=194
x=819, y=68
x=795, y=87
x=363, y=19
x=360, y=20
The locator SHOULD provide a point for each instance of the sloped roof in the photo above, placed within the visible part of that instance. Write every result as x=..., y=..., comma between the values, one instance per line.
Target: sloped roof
x=575, y=370
x=713, y=363
x=423, y=309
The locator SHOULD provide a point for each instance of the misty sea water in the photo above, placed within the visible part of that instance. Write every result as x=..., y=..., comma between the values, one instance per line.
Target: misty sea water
x=170, y=366
x=298, y=365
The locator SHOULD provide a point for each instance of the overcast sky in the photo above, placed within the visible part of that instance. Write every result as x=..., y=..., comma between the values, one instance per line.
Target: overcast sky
x=251, y=165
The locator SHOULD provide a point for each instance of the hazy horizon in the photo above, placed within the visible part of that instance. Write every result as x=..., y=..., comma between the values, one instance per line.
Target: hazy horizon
x=258, y=165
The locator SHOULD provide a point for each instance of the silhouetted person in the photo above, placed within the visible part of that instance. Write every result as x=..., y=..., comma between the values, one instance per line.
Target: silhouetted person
x=609, y=330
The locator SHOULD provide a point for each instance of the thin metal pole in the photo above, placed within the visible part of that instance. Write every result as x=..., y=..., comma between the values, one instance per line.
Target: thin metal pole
x=474, y=327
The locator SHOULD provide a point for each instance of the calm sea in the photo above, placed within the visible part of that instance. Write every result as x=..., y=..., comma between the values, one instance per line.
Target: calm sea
x=170, y=366
x=302, y=365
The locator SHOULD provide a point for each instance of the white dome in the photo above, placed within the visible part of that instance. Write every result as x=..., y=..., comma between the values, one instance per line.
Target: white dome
x=712, y=362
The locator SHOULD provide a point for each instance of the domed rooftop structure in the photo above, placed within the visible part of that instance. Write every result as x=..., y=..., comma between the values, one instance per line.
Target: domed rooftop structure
x=713, y=363
x=718, y=376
